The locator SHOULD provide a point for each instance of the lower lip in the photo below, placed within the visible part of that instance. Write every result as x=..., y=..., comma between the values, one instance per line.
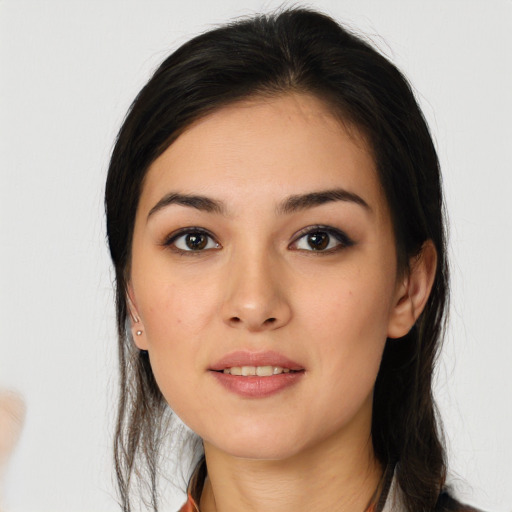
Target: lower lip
x=257, y=387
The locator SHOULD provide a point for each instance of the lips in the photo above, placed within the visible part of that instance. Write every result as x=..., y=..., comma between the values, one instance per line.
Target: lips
x=255, y=359
x=260, y=371
x=256, y=375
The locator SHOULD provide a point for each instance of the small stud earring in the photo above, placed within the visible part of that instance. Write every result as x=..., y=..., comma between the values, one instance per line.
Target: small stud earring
x=139, y=333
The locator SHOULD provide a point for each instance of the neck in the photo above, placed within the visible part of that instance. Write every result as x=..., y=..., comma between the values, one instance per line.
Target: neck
x=334, y=475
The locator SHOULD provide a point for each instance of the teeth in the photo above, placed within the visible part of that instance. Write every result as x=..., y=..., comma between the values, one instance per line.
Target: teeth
x=265, y=371
x=248, y=370
x=260, y=371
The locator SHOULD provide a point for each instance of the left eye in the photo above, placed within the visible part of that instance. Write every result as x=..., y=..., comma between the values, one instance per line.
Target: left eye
x=193, y=241
x=322, y=240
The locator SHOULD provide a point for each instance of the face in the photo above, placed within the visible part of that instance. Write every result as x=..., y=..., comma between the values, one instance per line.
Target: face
x=263, y=246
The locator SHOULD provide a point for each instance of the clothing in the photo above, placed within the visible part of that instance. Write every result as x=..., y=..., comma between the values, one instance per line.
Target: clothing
x=190, y=506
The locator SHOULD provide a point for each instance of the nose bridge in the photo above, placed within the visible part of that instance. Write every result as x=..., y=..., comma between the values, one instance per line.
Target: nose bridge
x=255, y=295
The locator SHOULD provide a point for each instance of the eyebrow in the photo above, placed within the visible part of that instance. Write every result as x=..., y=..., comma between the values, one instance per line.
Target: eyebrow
x=201, y=203
x=291, y=204
x=304, y=201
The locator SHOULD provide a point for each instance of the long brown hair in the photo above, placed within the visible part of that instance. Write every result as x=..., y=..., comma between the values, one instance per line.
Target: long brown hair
x=304, y=51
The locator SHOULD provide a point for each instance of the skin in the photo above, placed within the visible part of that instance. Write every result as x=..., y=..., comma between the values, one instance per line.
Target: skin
x=258, y=285
x=12, y=415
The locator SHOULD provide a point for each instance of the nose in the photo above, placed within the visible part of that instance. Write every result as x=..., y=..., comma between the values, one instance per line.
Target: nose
x=256, y=297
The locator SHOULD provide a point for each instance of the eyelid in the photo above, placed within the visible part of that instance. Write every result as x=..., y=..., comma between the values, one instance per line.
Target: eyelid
x=170, y=239
x=343, y=239
x=338, y=234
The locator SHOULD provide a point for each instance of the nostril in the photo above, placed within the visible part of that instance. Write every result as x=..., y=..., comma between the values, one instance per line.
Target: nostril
x=236, y=320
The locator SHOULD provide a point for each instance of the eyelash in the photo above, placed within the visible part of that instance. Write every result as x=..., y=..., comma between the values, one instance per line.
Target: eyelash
x=344, y=240
x=338, y=235
x=170, y=241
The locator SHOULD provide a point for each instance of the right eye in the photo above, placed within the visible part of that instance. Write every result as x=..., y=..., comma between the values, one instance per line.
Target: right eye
x=192, y=240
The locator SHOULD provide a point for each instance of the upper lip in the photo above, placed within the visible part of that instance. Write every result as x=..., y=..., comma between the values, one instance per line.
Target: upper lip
x=246, y=358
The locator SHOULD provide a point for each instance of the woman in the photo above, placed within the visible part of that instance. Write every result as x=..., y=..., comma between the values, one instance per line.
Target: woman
x=275, y=219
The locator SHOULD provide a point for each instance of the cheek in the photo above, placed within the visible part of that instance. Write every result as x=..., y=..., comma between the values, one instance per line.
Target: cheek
x=175, y=322
x=347, y=325
x=352, y=307
x=172, y=307
x=177, y=311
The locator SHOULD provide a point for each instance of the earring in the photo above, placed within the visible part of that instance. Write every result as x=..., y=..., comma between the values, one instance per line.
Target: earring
x=139, y=333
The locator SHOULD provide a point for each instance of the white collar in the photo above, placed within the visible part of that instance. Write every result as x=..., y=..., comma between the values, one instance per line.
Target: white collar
x=394, y=500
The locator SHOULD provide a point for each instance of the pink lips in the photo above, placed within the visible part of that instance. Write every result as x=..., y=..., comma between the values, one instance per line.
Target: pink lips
x=254, y=386
x=243, y=358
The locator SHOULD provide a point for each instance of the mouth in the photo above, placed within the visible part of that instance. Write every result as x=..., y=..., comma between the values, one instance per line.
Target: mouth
x=262, y=364
x=259, y=371
x=256, y=374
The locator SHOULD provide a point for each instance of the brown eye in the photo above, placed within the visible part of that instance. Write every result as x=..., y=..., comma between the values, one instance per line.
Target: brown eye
x=322, y=240
x=193, y=241
x=196, y=241
x=318, y=241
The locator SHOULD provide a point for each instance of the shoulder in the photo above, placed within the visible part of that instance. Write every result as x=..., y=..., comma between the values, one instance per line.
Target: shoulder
x=446, y=503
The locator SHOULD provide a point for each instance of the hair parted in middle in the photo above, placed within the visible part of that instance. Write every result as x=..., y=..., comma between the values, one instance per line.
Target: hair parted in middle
x=292, y=51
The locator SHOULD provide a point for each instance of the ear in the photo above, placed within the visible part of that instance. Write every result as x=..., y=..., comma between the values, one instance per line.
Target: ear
x=413, y=292
x=136, y=326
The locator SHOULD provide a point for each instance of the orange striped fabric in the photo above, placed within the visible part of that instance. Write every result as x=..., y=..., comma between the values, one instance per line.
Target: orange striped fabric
x=190, y=506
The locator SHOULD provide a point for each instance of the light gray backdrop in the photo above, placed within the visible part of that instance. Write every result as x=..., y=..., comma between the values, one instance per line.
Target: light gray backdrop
x=68, y=72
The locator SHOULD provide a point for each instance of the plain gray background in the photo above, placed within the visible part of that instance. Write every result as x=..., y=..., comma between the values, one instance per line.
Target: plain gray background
x=68, y=72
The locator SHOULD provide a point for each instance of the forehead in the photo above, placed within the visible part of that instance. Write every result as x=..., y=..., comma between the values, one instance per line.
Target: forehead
x=265, y=148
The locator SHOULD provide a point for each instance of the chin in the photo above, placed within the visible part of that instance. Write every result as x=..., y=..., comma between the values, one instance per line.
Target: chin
x=261, y=449
x=275, y=441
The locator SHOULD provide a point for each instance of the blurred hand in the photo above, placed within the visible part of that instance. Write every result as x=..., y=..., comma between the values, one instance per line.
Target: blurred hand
x=12, y=415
